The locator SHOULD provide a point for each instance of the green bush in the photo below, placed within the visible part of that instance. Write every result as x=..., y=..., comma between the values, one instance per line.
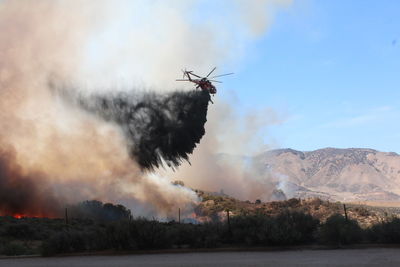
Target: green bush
x=386, y=232
x=119, y=237
x=339, y=231
x=289, y=228
x=64, y=242
x=20, y=231
x=149, y=234
x=249, y=230
x=138, y=234
x=184, y=235
x=13, y=249
x=209, y=235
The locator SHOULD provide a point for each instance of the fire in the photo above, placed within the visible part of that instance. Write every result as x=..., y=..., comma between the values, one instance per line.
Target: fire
x=22, y=215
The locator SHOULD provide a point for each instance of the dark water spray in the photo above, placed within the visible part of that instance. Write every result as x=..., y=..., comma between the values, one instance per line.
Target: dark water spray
x=159, y=127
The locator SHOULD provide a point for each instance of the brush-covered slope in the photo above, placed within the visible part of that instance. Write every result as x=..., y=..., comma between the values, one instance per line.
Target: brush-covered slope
x=341, y=174
x=215, y=206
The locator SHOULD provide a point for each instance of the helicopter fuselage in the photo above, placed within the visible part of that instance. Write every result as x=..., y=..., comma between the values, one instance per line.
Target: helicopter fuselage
x=205, y=85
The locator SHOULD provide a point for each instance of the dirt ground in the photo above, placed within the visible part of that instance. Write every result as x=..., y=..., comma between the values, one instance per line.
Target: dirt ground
x=349, y=257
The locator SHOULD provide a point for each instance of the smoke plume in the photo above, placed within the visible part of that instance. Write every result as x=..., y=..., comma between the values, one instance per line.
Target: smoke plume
x=21, y=192
x=54, y=153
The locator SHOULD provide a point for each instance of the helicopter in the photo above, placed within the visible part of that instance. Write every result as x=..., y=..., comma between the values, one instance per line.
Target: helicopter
x=204, y=83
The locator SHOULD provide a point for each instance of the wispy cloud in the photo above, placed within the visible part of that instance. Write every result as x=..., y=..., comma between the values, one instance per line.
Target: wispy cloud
x=373, y=115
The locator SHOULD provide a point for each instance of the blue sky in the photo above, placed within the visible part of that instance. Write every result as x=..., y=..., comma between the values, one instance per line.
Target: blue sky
x=331, y=70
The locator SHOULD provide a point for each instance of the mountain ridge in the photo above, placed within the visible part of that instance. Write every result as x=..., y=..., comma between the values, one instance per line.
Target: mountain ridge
x=345, y=174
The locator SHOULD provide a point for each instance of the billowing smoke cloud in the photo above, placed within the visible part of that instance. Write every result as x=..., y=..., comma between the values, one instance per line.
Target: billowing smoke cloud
x=55, y=152
x=21, y=192
x=225, y=159
x=160, y=127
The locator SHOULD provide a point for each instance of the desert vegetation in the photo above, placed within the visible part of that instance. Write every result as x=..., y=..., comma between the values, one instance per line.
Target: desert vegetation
x=94, y=226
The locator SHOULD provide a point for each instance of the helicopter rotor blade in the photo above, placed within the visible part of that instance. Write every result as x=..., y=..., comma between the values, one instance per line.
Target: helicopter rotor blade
x=214, y=81
x=211, y=72
x=221, y=75
x=195, y=75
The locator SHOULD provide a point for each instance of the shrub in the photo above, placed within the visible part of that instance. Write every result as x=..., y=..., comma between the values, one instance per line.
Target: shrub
x=362, y=211
x=64, y=242
x=13, y=249
x=293, y=202
x=209, y=235
x=288, y=228
x=183, y=234
x=20, y=231
x=337, y=231
x=149, y=234
x=292, y=228
x=249, y=230
x=138, y=234
x=386, y=232
x=119, y=237
x=194, y=235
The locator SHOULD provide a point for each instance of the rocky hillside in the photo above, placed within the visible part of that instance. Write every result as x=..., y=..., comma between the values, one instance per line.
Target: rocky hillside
x=353, y=174
x=215, y=207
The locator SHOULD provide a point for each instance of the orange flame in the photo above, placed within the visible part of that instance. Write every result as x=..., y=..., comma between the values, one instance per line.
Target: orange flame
x=22, y=215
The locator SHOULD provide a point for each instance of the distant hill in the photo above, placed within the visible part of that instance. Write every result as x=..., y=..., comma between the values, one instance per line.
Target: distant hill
x=214, y=206
x=354, y=174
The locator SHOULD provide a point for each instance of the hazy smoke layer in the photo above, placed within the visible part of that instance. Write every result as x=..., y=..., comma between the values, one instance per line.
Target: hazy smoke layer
x=22, y=193
x=221, y=163
x=160, y=127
